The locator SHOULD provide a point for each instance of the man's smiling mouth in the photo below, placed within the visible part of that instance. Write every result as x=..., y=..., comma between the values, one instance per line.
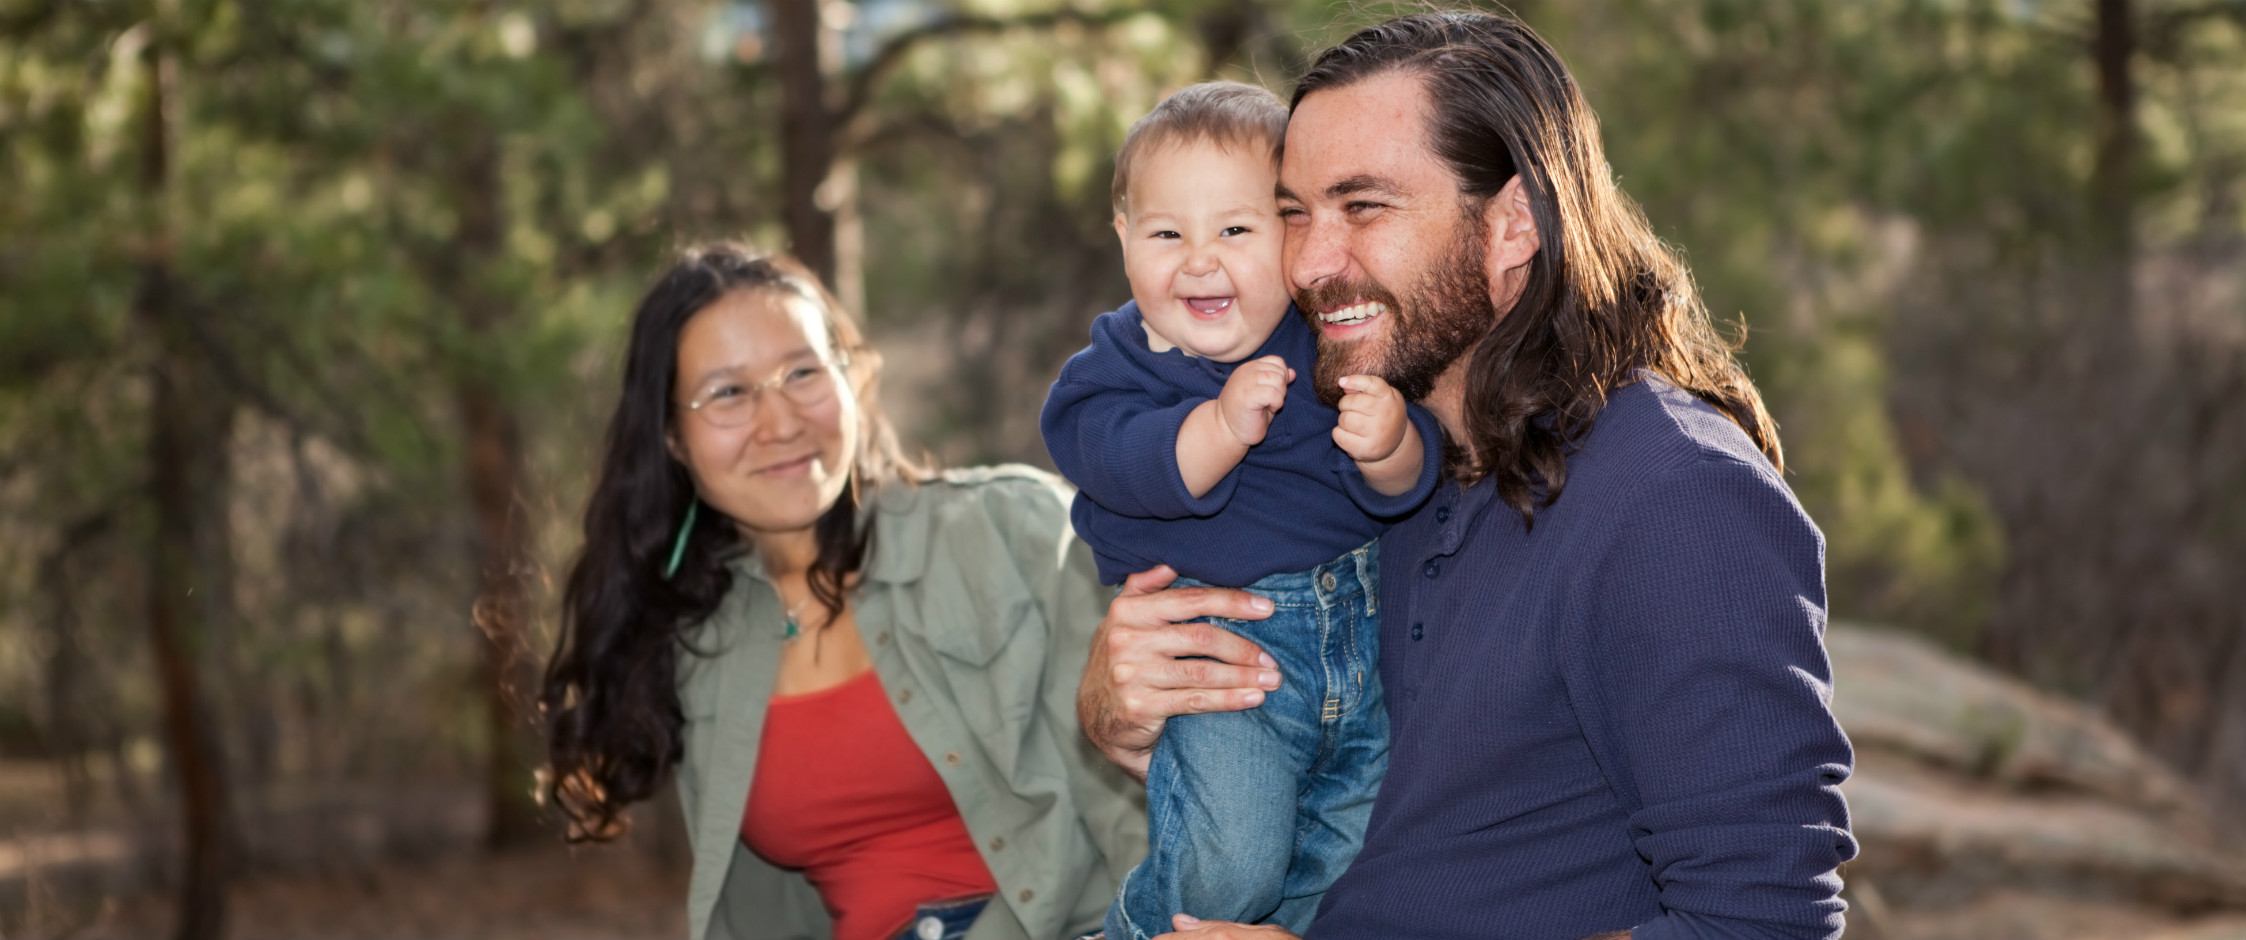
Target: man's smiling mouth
x=1354, y=313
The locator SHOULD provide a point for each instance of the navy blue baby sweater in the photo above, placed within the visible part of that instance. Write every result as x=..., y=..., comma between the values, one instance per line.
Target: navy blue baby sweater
x=1295, y=502
x=1617, y=720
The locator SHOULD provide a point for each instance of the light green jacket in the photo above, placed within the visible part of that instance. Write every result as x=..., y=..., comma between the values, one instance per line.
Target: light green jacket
x=978, y=605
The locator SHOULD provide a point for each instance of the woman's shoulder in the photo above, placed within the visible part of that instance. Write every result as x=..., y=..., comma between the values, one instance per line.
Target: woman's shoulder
x=1005, y=491
x=1014, y=508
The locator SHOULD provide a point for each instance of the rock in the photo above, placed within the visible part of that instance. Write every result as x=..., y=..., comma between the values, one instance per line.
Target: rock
x=1972, y=785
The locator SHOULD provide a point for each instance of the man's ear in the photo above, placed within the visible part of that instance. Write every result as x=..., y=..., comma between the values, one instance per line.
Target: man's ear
x=1511, y=225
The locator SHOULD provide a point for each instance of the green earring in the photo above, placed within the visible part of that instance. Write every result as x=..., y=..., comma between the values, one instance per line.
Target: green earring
x=678, y=548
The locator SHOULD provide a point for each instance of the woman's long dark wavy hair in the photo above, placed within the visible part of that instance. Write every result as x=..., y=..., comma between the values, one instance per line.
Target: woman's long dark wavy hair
x=1604, y=296
x=610, y=700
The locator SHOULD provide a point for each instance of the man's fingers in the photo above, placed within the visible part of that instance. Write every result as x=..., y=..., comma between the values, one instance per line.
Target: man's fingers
x=1181, y=604
x=1152, y=654
x=1149, y=581
x=1174, y=702
x=1190, y=675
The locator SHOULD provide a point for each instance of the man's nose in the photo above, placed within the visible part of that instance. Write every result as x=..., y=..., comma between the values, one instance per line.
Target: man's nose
x=1316, y=252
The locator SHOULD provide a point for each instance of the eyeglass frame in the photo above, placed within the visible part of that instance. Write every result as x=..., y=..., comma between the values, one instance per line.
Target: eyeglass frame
x=755, y=393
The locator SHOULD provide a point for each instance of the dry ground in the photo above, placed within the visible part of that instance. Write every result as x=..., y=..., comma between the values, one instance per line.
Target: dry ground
x=545, y=892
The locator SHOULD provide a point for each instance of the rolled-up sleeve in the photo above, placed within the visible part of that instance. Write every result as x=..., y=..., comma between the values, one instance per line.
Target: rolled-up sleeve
x=1709, y=644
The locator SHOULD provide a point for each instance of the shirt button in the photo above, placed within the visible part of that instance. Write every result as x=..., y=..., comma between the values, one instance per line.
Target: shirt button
x=1442, y=514
x=952, y=758
x=998, y=844
x=1416, y=631
x=1432, y=569
x=881, y=639
x=1026, y=895
x=1326, y=580
x=904, y=696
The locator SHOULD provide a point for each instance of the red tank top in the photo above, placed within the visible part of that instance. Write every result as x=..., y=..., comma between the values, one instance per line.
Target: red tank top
x=844, y=795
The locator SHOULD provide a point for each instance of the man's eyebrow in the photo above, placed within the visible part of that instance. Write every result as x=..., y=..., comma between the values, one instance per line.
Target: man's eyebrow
x=1280, y=190
x=1362, y=183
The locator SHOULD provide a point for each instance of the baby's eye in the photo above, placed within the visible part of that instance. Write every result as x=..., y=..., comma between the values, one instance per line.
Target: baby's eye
x=1166, y=233
x=1234, y=230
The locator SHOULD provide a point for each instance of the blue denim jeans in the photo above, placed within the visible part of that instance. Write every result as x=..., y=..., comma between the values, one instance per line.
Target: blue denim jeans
x=1252, y=814
x=943, y=920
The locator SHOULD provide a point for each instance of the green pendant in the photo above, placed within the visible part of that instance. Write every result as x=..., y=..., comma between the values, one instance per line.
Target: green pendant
x=793, y=629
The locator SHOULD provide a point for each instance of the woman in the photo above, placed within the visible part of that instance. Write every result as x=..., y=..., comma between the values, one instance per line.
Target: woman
x=866, y=674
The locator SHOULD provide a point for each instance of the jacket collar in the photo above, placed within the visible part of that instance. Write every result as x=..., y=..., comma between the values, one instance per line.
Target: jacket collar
x=900, y=547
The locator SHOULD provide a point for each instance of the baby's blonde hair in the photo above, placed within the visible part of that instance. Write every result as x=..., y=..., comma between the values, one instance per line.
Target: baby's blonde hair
x=1228, y=114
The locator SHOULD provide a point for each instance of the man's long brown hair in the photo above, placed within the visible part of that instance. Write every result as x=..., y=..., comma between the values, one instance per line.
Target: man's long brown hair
x=1604, y=300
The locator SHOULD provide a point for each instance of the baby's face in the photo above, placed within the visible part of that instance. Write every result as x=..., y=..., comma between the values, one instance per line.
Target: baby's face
x=1201, y=239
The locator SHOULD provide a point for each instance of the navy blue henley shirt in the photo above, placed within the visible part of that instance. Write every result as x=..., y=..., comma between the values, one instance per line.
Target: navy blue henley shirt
x=1617, y=720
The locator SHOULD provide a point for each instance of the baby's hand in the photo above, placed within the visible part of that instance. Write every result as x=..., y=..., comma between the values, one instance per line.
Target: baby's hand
x=1372, y=422
x=1256, y=391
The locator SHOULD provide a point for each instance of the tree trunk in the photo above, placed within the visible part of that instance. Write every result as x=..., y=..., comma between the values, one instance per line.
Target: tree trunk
x=494, y=468
x=187, y=441
x=806, y=55
x=2115, y=50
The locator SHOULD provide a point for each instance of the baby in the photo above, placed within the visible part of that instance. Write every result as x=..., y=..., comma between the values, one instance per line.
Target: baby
x=1193, y=445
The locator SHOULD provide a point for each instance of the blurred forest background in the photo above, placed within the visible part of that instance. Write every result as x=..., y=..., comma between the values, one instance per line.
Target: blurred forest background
x=310, y=311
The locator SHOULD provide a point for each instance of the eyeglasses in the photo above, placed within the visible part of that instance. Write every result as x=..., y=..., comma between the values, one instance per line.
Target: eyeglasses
x=729, y=402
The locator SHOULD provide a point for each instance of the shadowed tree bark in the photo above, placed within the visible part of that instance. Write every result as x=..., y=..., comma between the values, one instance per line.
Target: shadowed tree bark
x=494, y=470
x=804, y=57
x=187, y=471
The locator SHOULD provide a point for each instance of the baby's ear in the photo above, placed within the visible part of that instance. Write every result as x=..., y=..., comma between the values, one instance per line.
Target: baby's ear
x=1123, y=228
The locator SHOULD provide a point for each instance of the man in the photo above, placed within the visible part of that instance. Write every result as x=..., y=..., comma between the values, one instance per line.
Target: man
x=1603, y=651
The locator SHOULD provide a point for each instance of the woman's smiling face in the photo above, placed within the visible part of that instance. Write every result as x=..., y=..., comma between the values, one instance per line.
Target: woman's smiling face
x=789, y=456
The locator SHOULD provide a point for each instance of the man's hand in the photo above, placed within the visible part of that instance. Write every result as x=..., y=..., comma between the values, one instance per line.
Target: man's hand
x=1255, y=392
x=1375, y=431
x=1133, y=680
x=1189, y=926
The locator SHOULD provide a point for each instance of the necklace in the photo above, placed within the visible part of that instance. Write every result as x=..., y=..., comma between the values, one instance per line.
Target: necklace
x=794, y=626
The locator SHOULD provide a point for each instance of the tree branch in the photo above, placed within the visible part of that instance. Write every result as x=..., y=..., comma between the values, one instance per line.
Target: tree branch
x=893, y=52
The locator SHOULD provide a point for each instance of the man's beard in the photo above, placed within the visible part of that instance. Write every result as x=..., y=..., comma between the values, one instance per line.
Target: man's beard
x=1444, y=312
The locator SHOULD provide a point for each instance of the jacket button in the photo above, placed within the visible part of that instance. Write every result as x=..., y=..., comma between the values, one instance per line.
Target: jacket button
x=952, y=758
x=1026, y=895
x=904, y=696
x=1442, y=514
x=998, y=844
x=1431, y=569
x=881, y=639
x=1327, y=581
x=1416, y=631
